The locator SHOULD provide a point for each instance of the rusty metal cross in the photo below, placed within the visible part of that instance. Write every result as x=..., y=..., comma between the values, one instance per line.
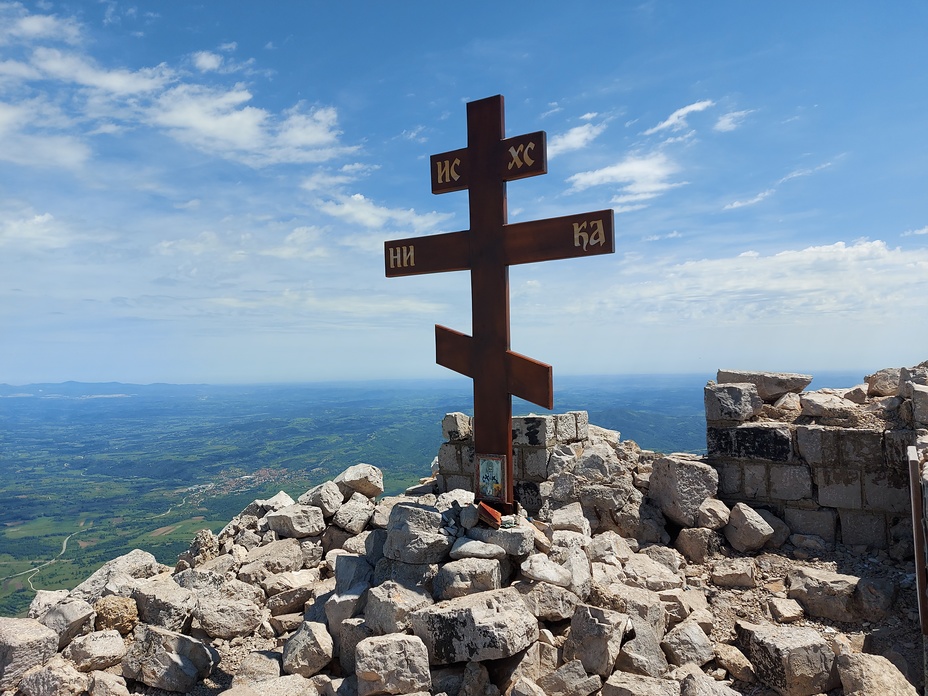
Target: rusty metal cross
x=487, y=250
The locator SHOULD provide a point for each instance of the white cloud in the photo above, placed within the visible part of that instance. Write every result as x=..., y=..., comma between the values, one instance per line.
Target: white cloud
x=642, y=178
x=362, y=211
x=17, y=25
x=37, y=148
x=589, y=116
x=303, y=243
x=658, y=237
x=207, y=61
x=920, y=231
x=750, y=201
x=731, y=120
x=33, y=232
x=576, y=138
x=71, y=67
x=804, y=172
x=677, y=120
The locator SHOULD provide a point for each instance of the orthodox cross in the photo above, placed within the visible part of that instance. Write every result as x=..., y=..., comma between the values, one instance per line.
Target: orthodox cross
x=487, y=250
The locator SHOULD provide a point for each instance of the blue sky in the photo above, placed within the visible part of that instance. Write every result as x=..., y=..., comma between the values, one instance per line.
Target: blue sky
x=201, y=192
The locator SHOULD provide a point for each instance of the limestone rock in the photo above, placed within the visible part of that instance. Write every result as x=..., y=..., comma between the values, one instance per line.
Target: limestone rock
x=43, y=601
x=734, y=572
x=679, y=484
x=712, y=514
x=570, y=680
x=471, y=548
x=114, y=612
x=734, y=662
x=794, y=661
x=106, y=684
x=162, y=602
x=270, y=559
x=257, y=667
x=414, y=535
x=168, y=660
x=871, y=675
x=643, y=571
x=393, y=664
x=698, y=544
x=623, y=684
x=296, y=521
x=596, y=638
x=641, y=653
x=687, y=642
x=482, y=626
x=24, y=643
x=547, y=602
x=824, y=593
x=736, y=401
x=770, y=385
x=309, y=650
x=360, y=478
x=57, y=677
x=883, y=382
x=467, y=576
x=96, y=651
x=326, y=496
x=540, y=568
x=69, y=618
x=516, y=541
x=389, y=605
x=354, y=514
x=825, y=405
x=746, y=530
x=135, y=564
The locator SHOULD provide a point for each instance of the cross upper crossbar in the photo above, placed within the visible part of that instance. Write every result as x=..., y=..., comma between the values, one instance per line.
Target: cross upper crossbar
x=487, y=250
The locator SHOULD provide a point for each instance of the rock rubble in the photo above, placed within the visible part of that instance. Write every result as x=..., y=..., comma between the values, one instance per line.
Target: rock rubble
x=627, y=576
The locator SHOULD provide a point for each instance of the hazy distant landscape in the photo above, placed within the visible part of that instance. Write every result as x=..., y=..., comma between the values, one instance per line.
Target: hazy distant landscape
x=90, y=471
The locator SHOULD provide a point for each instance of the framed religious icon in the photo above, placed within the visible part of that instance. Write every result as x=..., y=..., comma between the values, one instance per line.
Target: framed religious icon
x=491, y=476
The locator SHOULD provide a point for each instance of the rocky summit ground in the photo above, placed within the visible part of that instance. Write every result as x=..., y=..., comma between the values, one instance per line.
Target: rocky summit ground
x=628, y=576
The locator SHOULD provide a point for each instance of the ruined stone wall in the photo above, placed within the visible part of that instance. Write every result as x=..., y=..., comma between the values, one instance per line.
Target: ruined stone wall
x=832, y=463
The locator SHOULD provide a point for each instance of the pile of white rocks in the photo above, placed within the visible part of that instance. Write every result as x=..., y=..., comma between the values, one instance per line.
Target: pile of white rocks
x=346, y=592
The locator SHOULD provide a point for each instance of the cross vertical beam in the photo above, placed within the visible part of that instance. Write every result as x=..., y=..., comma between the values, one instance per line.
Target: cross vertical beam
x=489, y=282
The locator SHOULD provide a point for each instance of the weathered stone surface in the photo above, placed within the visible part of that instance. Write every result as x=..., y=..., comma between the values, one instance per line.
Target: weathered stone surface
x=360, y=478
x=389, y=605
x=712, y=514
x=608, y=547
x=643, y=571
x=57, y=677
x=351, y=569
x=162, y=602
x=883, y=382
x=636, y=602
x=167, y=659
x=794, y=661
x=276, y=557
x=761, y=440
x=641, y=653
x=414, y=535
x=482, y=626
x=24, y=643
x=69, y=618
x=516, y=541
x=770, y=385
x=43, y=601
x=570, y=680
x=526, y=687
x=97, y=650
x=736, y=401
x=456, y=426
x=466, y=576
x=825, y=405
x=687, y=642
x=824, y=593
x=784, y=610
x=746, y=530
x=734, y=572
x=734, y=662
x=354, y=514
x=119, y=613
x=257, y=667
x=296, y=521
x=309, y=650
x=697, y=683
x=698, y=544
x=781, y=530
x=596, y=638
x=871, y=675
x=623, y=684
x=570, y=518
x=394, y=664
x=540, y=568
x=221, y=617
x=679, y=485
x=326, y=496
x=471, y=548
x=547, y=602
x=135, y=564
x=106, y=684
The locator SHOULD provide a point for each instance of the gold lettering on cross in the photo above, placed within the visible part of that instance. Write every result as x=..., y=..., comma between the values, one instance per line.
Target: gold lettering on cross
x=595, y=235
x=521, y=155
x=448, y=170
x=402, y=256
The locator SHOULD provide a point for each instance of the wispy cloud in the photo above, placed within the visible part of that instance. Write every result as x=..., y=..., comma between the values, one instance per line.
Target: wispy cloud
x=750, y=201
x=731, y=120
x=18, y=25
x=804, y=172
x=362, y=211
x=770, y=191
x=677, y=120
x=641, y=178
x=919, y=231
x=576, y=138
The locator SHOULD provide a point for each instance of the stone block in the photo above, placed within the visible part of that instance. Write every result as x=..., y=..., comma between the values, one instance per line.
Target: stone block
x=679, y=485
x=24, y=644
x=565, y=427
x=393, y=664
x=534, y=431
x=468, y=461
x=865, y=528
x=731, y=402
x=817, y=444
x=793, y=661
x=731, y=477
x=895, y=448
x=449, y=459
x=596, y=638
x=583, y=424
x=770, y=385
x=817, y=521
x=920, y=405
x=770, y=441
x=840, y=488
x=534, y=463
x=457, y=427
x=883, y=492
x=755, y=481
x=860, y=448
x=790, y=482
